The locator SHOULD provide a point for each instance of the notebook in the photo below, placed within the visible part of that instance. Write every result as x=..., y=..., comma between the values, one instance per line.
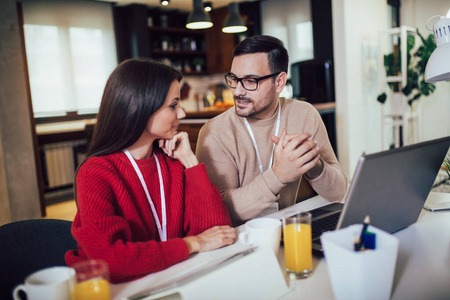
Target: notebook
x=390, y=186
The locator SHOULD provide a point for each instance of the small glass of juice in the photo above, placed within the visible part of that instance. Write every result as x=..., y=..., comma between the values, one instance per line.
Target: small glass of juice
x=297, y=245
x=92, y=280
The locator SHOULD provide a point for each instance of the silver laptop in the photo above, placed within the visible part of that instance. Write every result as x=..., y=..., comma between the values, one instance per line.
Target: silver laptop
x=389, y=186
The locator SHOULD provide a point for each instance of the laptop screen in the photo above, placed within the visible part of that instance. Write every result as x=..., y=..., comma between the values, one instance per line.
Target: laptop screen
x=392, y=186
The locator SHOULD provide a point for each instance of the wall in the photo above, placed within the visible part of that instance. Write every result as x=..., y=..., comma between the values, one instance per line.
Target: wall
x=355, y=30
x=19, y=195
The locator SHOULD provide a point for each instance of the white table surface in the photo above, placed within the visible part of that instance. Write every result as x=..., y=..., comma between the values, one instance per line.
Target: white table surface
x=423, y=262
x=422, y=269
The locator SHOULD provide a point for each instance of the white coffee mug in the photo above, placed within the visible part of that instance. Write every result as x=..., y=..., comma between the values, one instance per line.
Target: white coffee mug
x=54, y=283
x=262, y=232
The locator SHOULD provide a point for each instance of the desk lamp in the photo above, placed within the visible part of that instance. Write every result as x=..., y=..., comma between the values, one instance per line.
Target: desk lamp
x=438, y=66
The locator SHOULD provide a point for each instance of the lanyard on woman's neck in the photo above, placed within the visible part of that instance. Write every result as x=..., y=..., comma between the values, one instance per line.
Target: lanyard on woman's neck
x=162, y=229
x=277, y=128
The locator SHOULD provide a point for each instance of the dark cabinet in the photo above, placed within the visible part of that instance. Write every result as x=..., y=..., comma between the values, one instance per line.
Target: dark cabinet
x=143, y=31
x=184, y=49
x=220, y=45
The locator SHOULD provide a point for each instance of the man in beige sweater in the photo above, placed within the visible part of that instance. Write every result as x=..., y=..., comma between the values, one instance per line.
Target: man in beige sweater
x=258, y=151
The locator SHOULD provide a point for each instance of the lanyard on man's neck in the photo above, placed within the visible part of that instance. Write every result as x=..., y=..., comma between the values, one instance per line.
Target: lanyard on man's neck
x=277, y=128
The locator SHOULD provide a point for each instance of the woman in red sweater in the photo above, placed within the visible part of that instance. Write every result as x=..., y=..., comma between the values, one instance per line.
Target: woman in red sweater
x=144, y=202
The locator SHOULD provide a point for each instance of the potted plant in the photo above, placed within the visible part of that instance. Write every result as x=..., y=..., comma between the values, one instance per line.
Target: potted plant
x=416, y=62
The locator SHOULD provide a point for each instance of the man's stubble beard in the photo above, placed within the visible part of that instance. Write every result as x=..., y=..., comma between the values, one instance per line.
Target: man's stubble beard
x=255, y=111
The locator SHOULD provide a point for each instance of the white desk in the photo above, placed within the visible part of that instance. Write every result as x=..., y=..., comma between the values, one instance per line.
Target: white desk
x=423, y=263
x=422, y=270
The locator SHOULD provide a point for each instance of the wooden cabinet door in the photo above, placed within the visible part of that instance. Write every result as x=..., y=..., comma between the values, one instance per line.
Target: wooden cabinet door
x=219, y=45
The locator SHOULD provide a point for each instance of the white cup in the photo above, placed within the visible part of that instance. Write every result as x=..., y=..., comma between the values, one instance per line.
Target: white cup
x=55, y=283
x=262, y=232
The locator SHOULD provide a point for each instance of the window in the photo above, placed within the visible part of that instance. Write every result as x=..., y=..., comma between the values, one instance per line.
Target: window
x=70, y=52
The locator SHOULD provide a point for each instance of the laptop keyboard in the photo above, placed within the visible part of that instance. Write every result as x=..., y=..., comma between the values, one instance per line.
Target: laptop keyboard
x=324, y=224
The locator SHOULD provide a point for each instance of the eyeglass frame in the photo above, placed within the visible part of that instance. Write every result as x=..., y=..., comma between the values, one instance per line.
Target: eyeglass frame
x=257, y=79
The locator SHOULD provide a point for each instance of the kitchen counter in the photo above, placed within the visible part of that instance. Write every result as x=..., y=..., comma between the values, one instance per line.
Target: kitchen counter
x=74, y=130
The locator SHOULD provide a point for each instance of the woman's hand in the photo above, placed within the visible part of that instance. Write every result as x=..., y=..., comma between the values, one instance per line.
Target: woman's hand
x=210, y=239
x=179, y=148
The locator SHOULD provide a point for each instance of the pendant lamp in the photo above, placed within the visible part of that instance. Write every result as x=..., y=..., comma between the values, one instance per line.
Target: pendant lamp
x=438, y=66
x=207, y=6
x=165, y=2
x=234, y=22
x=198, y=19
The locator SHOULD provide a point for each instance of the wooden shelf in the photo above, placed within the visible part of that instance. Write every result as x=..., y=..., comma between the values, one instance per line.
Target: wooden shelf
x=176, y=52
x=176, y=30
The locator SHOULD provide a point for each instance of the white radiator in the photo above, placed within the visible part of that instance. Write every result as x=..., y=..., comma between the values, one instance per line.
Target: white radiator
x=59, y=163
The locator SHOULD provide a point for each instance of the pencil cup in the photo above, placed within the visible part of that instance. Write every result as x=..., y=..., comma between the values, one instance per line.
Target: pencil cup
x=360, y=274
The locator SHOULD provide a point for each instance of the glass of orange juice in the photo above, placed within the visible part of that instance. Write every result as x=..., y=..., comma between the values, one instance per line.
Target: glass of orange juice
x=297, y=245
x=92, y=278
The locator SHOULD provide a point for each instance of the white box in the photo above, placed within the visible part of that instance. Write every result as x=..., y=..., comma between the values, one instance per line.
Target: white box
x=360, y=274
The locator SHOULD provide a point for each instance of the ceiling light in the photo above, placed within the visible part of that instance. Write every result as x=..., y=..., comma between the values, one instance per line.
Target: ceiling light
x=207, y=6
x=234, y=22
x=198, y=19
x=165, y=2
x=438, y=66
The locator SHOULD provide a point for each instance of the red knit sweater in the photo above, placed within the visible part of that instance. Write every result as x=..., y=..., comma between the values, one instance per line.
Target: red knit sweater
x=114, y=221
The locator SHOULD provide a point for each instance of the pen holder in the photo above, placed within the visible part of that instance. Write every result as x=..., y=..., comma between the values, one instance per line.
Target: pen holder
x=360, y=274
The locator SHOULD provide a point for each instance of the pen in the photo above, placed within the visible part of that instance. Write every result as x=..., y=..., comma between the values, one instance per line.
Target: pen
x=361, y=237
x=356, y=243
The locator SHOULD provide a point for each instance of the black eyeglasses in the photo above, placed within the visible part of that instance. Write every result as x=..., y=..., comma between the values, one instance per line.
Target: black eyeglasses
x=248, y=83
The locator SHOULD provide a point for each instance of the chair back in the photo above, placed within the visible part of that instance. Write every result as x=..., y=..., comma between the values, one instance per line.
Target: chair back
x=30, y=245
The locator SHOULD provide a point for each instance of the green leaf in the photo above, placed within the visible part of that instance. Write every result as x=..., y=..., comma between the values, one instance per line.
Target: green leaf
x=447, y=165
x=416, y=84
x=382, y=98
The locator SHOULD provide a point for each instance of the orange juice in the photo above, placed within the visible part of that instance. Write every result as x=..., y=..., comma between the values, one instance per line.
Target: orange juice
x=93, y=289
x=297, y=247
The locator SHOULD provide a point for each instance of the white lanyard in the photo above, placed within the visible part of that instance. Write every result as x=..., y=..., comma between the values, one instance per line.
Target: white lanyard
x=277, y=128
x=161, y=229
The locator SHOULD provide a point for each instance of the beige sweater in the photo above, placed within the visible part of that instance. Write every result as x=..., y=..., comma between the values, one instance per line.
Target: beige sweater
x=225, y=145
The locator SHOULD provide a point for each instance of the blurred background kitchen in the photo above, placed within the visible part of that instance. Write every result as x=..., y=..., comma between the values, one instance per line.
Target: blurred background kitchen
x=55, y=57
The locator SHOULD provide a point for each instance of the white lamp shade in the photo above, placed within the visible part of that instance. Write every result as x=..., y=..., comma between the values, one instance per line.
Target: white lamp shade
x=438, y=66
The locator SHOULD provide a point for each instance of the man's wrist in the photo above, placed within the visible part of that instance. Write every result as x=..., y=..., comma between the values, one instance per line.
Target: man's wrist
x=273, y=182
x=315, y=171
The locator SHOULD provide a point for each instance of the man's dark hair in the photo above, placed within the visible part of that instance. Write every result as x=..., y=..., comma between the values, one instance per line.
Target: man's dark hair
x=276, y=53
